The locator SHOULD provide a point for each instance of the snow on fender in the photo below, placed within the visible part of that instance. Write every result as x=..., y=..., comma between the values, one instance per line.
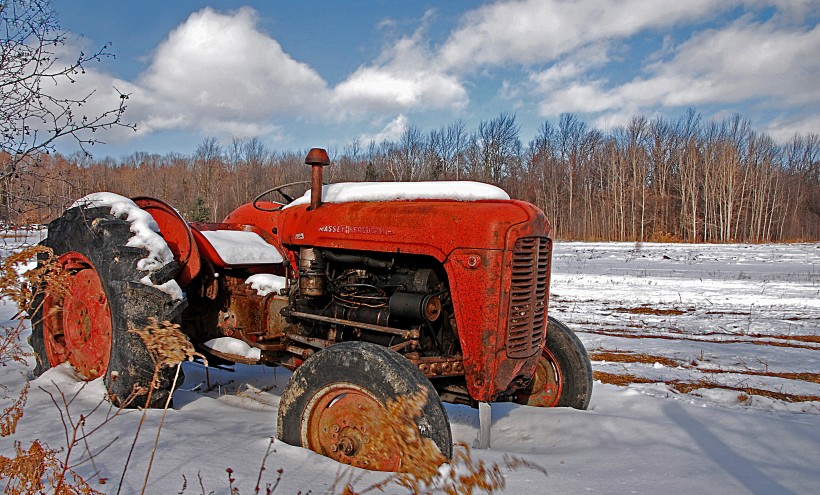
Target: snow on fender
x=145, y=236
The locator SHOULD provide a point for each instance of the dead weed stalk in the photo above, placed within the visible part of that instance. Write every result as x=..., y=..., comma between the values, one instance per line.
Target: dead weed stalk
x=424, y=469
x=168, y=346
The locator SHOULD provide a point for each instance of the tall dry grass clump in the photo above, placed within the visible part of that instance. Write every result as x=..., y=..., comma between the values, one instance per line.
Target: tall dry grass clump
x=38, y=468
x=424, y=469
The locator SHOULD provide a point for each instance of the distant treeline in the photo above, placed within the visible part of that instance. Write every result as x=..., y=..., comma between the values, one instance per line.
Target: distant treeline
x=655, y=179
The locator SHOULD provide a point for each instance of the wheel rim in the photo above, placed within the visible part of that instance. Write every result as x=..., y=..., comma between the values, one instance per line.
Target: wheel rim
x=546, y=385
x=77, y=326
x=339, y=423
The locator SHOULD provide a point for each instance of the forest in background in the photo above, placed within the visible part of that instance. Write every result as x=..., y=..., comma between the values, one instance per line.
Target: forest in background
x=655, y=179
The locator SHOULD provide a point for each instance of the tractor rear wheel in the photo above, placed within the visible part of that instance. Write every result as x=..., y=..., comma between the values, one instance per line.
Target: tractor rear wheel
x=87, y=322
x=563, y=376
x=334, y=404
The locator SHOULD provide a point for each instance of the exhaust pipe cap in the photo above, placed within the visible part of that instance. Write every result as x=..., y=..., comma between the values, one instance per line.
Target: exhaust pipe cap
x=317, y=156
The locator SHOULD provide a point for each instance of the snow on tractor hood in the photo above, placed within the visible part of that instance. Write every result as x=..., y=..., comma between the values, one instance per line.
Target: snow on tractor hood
x=145, y=235
x=349, y=192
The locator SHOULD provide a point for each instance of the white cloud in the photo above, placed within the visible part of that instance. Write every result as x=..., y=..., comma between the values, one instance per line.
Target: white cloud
x=403, y=79
x=759, y=64
x=537, y=31
x=391, y=88
x=220, y=66
x=390, y=132
x=783, y=129
x=740, y=62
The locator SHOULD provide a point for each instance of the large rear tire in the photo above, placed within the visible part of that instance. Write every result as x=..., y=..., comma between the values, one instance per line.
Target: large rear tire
x=336, y=399
x=563, y=376
x=88, y=324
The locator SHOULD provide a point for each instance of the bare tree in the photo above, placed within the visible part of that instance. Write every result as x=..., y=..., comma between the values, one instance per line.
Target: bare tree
x=207, y=167
x=33, y=114
x=500, y=146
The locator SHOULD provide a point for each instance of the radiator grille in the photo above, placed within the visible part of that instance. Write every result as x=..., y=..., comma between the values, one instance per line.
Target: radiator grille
x=528, y=296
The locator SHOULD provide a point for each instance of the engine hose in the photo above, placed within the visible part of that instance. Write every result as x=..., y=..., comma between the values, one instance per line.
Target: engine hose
x=353, y=259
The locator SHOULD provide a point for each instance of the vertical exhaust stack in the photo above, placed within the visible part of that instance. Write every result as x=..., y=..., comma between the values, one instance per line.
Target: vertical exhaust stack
x=317, y=159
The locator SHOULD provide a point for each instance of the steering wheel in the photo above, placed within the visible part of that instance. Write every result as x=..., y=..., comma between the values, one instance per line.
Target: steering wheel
x=278, y=189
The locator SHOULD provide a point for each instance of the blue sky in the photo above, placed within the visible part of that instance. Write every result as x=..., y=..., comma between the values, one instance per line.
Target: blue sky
x=325, y=73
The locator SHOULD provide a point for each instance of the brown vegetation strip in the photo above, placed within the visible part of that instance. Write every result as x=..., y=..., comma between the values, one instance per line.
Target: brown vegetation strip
x=805, y=376
x=631, y=357
x=802, y=338
x=687, y=387
x=648, y=310
x=619, y=379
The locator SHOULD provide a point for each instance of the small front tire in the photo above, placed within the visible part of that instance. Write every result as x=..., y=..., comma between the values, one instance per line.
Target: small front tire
x=336, y=399
x=563, y=376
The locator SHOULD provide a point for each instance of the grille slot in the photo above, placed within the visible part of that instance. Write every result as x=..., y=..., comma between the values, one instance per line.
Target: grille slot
x=528, y=296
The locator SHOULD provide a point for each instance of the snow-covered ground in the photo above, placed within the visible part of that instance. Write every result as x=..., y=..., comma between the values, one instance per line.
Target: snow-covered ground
x=742, y=322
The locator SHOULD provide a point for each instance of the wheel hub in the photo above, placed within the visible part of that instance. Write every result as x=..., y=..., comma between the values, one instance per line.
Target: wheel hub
x=545, y=388
x=77, y=325
x=339, y=423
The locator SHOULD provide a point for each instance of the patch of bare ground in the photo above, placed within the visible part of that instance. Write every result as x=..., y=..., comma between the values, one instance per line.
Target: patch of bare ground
x=623, y=380
x=687, y=387
x=649, y=310
x=805, y=376
x=632, y=357
x=732, y=338
x=619, y=379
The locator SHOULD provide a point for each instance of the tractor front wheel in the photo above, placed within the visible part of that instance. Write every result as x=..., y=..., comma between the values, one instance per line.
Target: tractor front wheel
x=335, y=404
x=563, y=376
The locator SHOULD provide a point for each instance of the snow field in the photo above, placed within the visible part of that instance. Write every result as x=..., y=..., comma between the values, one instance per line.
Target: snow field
x=706, y=308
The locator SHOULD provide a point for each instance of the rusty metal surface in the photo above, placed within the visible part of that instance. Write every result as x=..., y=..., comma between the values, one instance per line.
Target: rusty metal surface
x=342, y=419
x=177, y=235
x=547, y=383
x=77, y=326
x=527, y=315
x=407, y=334
x=439, y=367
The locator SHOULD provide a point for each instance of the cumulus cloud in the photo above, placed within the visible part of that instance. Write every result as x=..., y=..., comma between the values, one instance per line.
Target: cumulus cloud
x=402, y=79
x=390, y=132
x=218, y=67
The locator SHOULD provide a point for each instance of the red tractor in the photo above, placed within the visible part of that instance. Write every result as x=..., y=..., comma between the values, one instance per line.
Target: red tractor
x=370, y=293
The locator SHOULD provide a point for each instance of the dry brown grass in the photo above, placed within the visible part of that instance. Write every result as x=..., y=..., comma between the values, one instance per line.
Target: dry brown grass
x=632, y=357
x=168, y=346
x=166, y=343
x=731, y=338
x=12, y=414
x=421, y=469
x=649, y=310
x=805, y=376
x=619, y=379
x=39, y=469
x=687, y=387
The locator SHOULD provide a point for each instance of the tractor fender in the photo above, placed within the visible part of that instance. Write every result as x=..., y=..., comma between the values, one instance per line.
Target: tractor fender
x=177, y=234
